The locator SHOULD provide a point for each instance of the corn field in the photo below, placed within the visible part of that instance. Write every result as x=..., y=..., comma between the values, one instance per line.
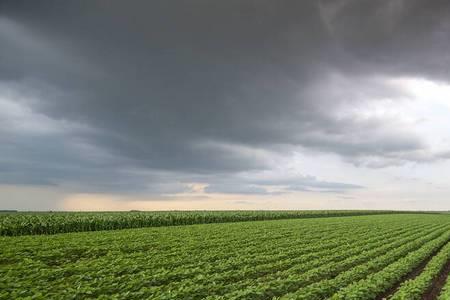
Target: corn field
x=28, y=223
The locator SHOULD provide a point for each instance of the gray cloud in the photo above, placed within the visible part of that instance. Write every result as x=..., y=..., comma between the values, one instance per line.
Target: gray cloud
x=274, y=184
x=237, y=188
x=400, y=37
x=146, y=95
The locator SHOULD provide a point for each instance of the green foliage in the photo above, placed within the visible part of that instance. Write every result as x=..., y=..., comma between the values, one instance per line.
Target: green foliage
x=350, y=258
x=376, y=283
x=415, y=288
x=14, y=224
x=445, y=293
x=356, y=282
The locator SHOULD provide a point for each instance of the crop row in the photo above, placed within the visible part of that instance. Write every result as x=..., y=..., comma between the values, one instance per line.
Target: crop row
x=222, y=280
x=14, y=224
x=164, y=251
x=445, y=293
x=257, y=277
x=279, y=243
x=377, y=283
x=142, y=269
x=414, y=288
x=322, y=281
x=256, y=263
x=251, y=260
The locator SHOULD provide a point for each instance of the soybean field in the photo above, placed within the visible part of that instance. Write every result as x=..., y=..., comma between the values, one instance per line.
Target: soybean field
x=383, y=256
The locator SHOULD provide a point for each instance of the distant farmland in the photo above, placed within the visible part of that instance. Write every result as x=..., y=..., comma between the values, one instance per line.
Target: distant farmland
x=388, y=255
x=15, y=223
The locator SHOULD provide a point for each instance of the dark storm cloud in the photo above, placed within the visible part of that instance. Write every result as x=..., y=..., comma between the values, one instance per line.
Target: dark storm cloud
x=408, y=37
x=201, y=87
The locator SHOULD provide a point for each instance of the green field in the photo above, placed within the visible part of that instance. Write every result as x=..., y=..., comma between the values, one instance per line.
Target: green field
x=398, y=256
x=13, y=224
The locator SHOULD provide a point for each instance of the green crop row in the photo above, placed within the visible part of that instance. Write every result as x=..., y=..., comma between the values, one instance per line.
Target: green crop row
x=414, y=288
x=304, y=258
x=445, y=293
x=284, y=243
x=14, y=224
x=230, y=280
x=267, y=262
x=377, y=283
x=360, y=267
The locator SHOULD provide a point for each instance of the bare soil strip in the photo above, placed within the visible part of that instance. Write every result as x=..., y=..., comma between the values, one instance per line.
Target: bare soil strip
x=411, y=275
x=438, y=283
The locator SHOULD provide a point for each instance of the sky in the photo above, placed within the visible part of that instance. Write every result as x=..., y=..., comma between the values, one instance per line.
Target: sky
x=198, y=104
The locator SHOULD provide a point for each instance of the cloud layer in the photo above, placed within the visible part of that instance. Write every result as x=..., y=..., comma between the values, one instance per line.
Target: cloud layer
x=147, y=97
